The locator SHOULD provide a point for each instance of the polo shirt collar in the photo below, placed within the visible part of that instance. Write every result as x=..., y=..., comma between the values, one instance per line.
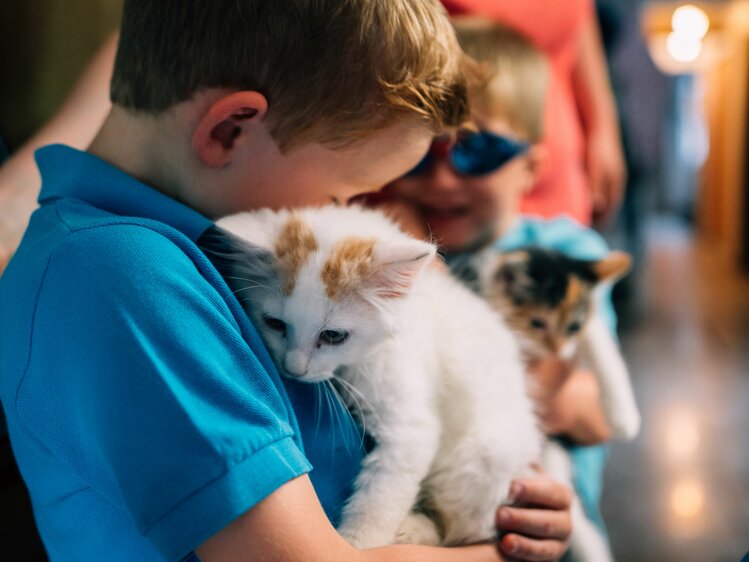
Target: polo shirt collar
x=67, y=172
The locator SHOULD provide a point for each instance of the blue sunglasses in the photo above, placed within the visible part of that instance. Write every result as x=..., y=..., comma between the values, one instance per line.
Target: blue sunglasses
x=473, y=154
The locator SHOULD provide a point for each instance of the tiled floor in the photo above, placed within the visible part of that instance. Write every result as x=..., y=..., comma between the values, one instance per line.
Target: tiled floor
x=681, y=492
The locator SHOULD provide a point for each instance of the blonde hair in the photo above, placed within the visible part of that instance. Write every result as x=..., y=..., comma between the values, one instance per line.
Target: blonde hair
x=517, y=75
x=333, y=71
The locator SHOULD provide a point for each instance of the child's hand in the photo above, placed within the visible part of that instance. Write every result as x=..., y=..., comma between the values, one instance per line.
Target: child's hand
x=568, y=402
x=547, y=377
x=537, y=526
x=607, y=172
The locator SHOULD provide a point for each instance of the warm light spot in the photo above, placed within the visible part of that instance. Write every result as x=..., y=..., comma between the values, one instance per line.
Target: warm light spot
x=687, y=498
x=690, y=22
x=683, y=49
x=682, y=435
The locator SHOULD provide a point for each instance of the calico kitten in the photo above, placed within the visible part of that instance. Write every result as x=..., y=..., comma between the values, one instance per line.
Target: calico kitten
x=548, y=299
x=430, y=371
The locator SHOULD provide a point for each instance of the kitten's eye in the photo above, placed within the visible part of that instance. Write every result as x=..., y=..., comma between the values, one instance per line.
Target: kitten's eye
x=574, y=328
x=275, y=324
x=333, y=337
x=537, y=324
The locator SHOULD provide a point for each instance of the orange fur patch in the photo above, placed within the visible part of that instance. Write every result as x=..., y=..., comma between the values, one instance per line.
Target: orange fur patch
x=350, y=260
x=613, y=267
x=293, y=248
x=574, y=294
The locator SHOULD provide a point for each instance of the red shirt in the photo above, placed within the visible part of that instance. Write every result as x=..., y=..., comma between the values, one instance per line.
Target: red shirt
x=553, y=26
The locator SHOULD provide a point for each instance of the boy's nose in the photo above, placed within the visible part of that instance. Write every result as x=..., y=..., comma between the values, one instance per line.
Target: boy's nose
x=443, y=178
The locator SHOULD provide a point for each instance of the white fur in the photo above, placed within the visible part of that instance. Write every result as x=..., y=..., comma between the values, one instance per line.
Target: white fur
x=435, y=377
x=599, y=350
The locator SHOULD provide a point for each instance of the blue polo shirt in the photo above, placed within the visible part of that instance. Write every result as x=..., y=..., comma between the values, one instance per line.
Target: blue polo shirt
x=144, y=412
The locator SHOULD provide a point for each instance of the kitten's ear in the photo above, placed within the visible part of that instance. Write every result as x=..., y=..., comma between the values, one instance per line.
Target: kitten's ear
x=613, y=267
x=512, y=274
x=510, y=264
x=239, y=261
x=398, y=265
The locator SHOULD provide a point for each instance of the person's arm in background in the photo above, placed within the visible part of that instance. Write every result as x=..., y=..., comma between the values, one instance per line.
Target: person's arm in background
x=75, y=124
x=290, y=526
x=604, y=154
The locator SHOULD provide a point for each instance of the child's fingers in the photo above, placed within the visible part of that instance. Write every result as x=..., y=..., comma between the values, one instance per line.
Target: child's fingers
x=543, y=524
x=533, y=550
x=540, y=491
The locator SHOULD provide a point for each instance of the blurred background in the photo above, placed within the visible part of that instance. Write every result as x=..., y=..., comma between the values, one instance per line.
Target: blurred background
x=680, y=492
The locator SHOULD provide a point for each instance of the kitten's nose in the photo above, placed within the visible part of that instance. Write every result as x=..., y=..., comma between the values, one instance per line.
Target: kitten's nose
x=553, y=344
x=296, y=363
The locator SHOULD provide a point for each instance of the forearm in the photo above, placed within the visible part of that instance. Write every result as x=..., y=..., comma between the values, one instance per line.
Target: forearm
x=75, y=123
x=591, y=84
x=412, y=553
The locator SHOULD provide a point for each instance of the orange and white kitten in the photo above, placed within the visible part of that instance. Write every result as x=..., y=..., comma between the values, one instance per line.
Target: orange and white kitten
x=431, y=372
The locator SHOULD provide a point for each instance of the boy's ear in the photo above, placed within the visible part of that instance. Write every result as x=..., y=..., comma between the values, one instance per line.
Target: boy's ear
x=224, y=123
x=536, y=158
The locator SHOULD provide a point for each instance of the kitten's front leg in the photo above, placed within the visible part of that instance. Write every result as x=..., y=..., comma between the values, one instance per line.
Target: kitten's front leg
x=602, y=352
x=407, y=434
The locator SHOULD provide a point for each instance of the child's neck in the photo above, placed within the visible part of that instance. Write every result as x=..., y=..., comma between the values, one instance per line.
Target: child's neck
x=142, y=147
x=507, y=224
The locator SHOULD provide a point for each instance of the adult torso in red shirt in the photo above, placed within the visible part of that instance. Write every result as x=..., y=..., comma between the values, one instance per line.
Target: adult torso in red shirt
x=554, y=27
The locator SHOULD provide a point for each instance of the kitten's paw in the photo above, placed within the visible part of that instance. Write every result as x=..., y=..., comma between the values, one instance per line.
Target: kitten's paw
x=417, y=528
x=587, y=544
x=361, y=537
x=626, y=422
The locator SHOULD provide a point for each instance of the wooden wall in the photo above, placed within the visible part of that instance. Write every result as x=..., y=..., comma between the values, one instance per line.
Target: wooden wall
x=44, y=46
x=722, y=199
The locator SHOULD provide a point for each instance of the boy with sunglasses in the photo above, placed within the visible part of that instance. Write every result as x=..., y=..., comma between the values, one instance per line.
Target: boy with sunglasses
x=466, y=194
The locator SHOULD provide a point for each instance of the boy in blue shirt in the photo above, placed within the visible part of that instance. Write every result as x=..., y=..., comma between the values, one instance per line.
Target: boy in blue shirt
x=466, y=194
x=145, y=414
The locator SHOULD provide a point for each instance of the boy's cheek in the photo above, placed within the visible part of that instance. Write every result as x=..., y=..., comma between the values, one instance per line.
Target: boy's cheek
x=405, y=188
x=458, y=233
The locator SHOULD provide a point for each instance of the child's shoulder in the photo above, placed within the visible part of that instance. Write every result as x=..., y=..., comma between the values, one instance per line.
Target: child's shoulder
x=78, y=263
x=75, y=240
x=562, y=234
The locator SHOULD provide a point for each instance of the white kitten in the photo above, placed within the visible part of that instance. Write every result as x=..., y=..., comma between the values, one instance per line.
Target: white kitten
x=432, y=373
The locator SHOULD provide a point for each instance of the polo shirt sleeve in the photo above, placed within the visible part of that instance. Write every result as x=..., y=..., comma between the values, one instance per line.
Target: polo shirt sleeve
x=157, y=402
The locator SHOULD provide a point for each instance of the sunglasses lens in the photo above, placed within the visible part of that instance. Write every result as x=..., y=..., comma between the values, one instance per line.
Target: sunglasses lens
x=481, y=153
x=476, y=154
